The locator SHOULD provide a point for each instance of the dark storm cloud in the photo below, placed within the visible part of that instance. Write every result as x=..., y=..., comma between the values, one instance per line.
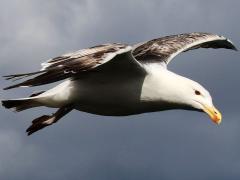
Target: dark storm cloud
x=166, y=145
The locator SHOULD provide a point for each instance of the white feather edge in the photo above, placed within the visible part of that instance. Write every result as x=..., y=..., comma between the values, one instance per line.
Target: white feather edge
x=106, y=59
x=112, y=55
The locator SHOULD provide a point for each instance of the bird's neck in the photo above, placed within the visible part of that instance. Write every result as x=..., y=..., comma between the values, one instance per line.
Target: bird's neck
x=161, y=88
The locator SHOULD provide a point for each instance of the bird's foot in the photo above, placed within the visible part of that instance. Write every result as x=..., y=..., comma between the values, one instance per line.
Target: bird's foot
x=40, y=123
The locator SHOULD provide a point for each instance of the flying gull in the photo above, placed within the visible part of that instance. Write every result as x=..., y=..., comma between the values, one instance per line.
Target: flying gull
x=118, y=80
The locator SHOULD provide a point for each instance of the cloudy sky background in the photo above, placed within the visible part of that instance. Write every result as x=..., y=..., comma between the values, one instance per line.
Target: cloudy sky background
x=164, y=145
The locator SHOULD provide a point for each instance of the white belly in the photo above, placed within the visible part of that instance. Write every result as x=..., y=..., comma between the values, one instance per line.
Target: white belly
x=111, y=98
x=106, y=95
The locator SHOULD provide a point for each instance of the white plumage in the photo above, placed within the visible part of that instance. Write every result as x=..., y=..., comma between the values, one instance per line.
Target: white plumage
x=118, y=80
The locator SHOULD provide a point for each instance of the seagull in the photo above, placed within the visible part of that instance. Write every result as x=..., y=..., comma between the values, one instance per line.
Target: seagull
x=118, y=79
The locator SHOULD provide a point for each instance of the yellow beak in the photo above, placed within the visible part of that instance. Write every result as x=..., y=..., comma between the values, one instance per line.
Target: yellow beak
x=214, y=114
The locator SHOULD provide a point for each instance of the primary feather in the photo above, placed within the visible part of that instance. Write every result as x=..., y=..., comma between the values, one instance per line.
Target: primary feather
x=118, y=79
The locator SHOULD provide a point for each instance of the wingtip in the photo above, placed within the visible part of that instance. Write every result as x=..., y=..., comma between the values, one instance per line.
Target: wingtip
x=13, y=86
x=9, y=87
x=234, y=48
x=6, y=88
x=231, y=45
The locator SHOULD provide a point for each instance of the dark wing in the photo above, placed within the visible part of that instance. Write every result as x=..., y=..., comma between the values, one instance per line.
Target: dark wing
x=166, y=48
x=72, y=64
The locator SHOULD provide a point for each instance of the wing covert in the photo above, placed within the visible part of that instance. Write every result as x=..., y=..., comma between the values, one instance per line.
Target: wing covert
x=71, y=64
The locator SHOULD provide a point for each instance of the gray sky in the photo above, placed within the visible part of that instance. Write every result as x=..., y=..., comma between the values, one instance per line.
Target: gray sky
x=164, y=145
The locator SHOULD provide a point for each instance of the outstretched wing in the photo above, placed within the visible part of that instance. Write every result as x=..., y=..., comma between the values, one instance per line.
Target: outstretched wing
x=166, y=48
x=72, y=64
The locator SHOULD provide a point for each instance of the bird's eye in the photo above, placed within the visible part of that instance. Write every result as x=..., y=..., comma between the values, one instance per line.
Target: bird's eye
x=197, y=92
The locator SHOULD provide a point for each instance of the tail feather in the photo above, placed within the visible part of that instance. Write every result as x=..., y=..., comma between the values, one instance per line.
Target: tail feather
x=20, y=104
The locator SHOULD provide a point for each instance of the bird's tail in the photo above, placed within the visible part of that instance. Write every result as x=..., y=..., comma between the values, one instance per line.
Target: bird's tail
x=20, y=104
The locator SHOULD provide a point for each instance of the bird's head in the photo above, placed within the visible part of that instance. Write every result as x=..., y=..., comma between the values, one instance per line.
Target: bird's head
x=178, y=92
x=199, y=99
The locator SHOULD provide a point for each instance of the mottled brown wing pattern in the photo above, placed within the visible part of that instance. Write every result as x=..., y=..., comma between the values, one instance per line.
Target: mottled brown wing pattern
x=71, y=64
x=84, y=58
x=165, y=48
x=157, y=50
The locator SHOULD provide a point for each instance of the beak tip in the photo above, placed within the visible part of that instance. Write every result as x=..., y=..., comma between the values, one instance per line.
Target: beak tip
x=217, y=119
x=218, y=122
x=214, y=114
